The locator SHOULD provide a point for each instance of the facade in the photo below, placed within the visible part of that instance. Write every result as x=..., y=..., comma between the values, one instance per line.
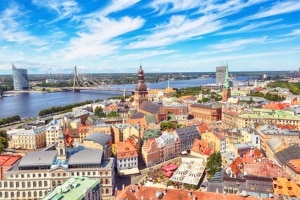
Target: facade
x=187, y=136
x=20, y=78
x=40, y=171
x=151, y=152
x=141, y=92
x=260, y=187
x=180, y=111
x=220, y=75
x=52, y=133
x=168, y=145
x=76, y=188
x=127, y=158
x=251, y=136
x=215, y=141
x=31, y=139
x=207, y=112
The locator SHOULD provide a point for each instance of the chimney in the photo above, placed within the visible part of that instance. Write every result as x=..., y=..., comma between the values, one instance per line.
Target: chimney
x=123, y=187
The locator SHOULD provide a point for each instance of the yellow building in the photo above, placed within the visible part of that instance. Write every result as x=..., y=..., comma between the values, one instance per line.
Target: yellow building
x=99, y=141
x=29, y=139
x=215, y=141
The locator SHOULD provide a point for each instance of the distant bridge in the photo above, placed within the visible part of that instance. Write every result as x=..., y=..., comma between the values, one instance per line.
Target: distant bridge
x=85, y=82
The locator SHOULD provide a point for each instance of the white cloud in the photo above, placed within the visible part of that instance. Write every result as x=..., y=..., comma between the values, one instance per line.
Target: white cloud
x=144, y=54
x=179, y=28
x=100, y=37
x=238, y=43
x=169, y=6
x=280, y=7
x=253, y=27
x=12, y=28
x=63, y=8
x=295, y=32
x=118, y=5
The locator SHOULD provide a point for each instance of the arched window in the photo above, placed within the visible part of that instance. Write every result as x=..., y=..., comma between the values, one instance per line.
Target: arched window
x=29, y=194
x=40, y=184
x=34, y=194
x=28, y=184
x=40, y=193
x=45, y=183
x=34, y=184
x=23, y=194
x=12, y=194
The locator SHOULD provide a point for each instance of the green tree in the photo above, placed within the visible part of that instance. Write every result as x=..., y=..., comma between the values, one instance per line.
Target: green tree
x=113, y=114
x=214, y=163
x=166, y=125
x=99, y=112
x=3, y=140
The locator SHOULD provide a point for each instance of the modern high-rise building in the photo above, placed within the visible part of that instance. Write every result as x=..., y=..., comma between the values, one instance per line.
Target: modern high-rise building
x=20, y=78
x=220, y=75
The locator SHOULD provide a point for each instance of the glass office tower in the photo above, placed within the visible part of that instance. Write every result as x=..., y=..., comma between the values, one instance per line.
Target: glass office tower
x=20, y=78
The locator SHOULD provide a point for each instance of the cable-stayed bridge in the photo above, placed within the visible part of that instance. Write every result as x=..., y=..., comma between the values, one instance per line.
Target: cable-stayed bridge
x=86, y=82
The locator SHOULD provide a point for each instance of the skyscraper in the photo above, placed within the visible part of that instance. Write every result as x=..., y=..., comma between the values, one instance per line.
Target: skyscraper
x=220, y=75
x=20, y=78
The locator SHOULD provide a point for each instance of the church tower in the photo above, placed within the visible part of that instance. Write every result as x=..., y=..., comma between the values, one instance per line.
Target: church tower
x=226, y=93
x=61, y=148
x=141, y=92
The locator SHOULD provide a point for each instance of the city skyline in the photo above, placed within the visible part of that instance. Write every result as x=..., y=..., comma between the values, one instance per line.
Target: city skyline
x=163, y=35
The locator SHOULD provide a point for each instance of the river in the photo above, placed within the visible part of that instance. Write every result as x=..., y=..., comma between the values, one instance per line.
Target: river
x=29, y=104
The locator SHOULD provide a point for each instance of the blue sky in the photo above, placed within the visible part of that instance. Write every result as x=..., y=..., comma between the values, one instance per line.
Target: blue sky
x=52, y=36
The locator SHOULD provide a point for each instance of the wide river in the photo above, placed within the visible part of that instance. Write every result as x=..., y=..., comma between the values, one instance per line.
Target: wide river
x=29, y=104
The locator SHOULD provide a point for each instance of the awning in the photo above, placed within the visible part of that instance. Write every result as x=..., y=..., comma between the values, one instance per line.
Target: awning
x=129, y=171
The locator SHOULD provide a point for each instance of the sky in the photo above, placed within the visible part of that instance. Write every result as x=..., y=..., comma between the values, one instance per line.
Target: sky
x=101, y=36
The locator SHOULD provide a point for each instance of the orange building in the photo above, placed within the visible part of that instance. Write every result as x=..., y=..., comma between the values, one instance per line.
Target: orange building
x=286, y=187
x=207, y=112
x=127, y=158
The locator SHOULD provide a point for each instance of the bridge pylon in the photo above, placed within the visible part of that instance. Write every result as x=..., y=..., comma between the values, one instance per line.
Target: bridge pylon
x=75, y=81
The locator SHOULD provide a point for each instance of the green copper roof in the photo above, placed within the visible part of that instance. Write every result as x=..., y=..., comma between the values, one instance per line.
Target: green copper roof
x=73, y=188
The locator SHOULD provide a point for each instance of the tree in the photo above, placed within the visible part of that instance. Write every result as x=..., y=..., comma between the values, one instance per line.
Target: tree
x=3, y=140
x=166, y=125
x=99, y=112
x=214, y=163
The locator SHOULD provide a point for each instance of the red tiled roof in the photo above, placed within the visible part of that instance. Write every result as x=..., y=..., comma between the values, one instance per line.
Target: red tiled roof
x=125, y=150
x=134, y=192
x=201, y=147
x=8, y=160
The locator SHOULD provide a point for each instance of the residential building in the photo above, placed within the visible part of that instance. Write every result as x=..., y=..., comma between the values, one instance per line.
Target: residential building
x=127, y=158
x=31, y=139
x=251, y=136
x=76, y=188
x=230, y=116
x=211, y=112
x=201, y=149
x=268, y=132
x=187, y=136
x=99, y=141
x=285, y=188
x=52, y=133
x=168, y=145
x=178, y=109
x=156, y=109
x=121, y=132
x=151, y=152
x=20, y=78
x=216, y=141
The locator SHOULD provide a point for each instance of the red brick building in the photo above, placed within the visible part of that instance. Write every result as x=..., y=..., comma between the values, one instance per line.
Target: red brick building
x=207, y=112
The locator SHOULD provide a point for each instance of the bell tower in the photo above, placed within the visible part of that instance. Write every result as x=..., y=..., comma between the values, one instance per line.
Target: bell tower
x=61, y=148
x=141, y=92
